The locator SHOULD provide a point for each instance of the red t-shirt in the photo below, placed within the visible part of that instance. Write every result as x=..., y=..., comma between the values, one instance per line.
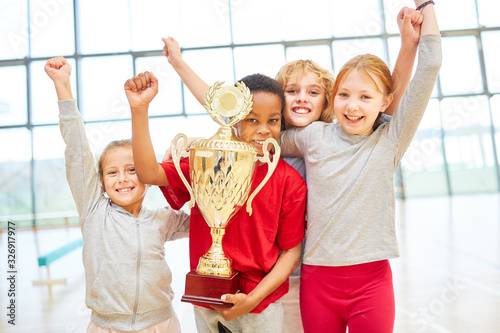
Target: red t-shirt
x=253, y=242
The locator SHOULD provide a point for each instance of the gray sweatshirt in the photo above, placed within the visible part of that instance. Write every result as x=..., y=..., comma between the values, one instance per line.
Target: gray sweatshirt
x=350, y=178
x=127, y=278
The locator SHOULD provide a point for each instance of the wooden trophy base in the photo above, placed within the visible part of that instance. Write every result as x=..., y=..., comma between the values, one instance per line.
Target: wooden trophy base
x=207, y=289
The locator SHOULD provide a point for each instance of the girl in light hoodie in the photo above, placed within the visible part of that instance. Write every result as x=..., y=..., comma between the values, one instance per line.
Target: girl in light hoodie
x=126, y=275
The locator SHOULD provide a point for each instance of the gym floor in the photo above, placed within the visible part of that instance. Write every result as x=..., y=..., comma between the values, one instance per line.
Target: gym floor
x=446, y=280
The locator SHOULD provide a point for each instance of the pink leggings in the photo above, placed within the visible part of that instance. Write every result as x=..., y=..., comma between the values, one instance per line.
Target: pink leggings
x=360, y=297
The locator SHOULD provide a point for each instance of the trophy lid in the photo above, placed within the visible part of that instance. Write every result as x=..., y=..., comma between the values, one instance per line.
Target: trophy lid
x=225, y=139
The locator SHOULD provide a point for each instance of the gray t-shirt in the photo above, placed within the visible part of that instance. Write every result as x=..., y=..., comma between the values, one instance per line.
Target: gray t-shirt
x=297, y=163
x=350, y=178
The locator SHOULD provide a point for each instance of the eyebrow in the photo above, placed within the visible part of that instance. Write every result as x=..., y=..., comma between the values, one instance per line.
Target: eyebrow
x=361, y=91
x=317, y=86
x=309, y=86
x=272, y=115
x=116, y=167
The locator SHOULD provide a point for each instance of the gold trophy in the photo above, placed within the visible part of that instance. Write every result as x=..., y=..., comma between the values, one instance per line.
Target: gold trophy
x=221, y=169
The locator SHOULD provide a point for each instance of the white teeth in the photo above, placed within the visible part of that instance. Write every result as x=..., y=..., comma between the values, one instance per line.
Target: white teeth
x=301, y=111
x=124, y=190
x=259, y=142
x=354, y=118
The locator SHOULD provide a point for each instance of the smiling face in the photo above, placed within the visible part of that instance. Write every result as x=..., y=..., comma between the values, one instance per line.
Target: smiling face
x=357, y=103
x=263, y=122
x=120, y=180
x=305, y=100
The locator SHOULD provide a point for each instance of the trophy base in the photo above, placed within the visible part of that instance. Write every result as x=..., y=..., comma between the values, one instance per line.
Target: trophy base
x=207, y=289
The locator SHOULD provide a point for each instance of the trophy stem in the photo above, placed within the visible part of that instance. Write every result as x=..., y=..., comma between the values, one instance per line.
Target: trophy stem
x=215, y=262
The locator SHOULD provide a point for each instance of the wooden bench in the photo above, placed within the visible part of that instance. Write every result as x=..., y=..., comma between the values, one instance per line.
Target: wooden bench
x=52, y=256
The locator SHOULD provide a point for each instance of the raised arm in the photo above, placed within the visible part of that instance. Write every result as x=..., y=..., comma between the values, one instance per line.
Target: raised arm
x=140, y=91
x=81, y=174
x=59, y=70
x=429, y=24
x=195, y=84
x=409, y=21
x=404, y=124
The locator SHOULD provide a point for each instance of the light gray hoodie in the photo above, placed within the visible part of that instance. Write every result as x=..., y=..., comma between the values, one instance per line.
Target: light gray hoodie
x=126, y=275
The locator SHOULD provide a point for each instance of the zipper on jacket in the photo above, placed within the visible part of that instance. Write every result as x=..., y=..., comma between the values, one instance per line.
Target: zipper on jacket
x=138, y=273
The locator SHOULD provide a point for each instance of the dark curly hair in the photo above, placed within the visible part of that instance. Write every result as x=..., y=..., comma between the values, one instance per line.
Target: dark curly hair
x=262, y=83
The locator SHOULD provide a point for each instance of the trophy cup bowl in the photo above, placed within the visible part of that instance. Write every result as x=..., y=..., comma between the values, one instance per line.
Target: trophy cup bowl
x=221, y=170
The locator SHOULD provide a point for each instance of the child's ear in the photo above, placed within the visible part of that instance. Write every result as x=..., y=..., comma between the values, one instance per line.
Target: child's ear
x=387, y=102
x=104, y=191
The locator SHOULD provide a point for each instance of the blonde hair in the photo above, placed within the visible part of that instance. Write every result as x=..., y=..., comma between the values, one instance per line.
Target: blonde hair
x=296, y=68
x=126, y=143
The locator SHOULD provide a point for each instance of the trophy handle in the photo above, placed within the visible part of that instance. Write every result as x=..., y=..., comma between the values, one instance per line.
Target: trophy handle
x=176, y=157
x=271, y=167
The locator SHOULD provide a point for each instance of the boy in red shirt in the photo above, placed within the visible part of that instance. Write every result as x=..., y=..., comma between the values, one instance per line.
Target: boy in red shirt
x=266, y=246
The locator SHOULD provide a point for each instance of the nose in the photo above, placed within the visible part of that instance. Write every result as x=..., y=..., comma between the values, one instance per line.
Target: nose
x=263, y=129
x=302, y=96
x=122, y=178
x=352, y=106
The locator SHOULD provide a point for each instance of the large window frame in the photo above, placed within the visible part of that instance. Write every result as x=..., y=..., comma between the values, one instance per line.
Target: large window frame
x=413, y=169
